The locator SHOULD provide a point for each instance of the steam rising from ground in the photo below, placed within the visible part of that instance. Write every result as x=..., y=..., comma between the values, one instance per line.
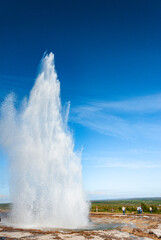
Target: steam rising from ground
x=46, y=180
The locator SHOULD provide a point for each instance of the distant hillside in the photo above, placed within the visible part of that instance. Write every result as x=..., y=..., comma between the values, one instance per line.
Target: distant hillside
x=148, y=199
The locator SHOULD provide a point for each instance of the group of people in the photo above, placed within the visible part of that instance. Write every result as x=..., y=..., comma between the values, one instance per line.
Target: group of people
x=139, y=210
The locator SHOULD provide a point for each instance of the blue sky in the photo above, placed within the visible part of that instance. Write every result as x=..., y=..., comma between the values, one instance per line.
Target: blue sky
x=108, y=60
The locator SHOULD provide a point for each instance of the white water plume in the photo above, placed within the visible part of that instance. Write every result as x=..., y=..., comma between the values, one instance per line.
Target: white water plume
x=46, y=178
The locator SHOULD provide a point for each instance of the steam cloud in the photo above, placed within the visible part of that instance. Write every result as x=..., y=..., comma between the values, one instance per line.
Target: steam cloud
x=46, y=179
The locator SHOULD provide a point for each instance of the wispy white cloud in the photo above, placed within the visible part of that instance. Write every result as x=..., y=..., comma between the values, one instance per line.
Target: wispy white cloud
x=107, y=194
x=130, y=165
x=3, y=196
x=118, y=162
x=105, y=124
x=108, y=118
x=151, y=103
x=97, y=192
x=4, y=199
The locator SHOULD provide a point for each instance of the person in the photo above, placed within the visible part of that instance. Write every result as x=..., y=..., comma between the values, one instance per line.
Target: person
x=123, y=210
x=150, y=209
x=96, y=209
x=138, y=210
x=141, y=211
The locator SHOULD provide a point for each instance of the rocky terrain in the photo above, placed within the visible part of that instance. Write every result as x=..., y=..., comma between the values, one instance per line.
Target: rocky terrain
x=105, y=226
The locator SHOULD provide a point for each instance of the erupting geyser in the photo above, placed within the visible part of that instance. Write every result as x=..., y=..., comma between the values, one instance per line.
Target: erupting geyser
x=46, y=179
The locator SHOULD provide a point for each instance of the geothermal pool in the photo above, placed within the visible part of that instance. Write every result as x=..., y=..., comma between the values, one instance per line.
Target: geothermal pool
x=5, y=221
x=104, y=226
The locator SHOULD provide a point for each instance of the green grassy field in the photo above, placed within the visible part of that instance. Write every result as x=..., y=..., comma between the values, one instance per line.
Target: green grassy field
x=130, y=204
x=116, y=205
x=5, y=206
